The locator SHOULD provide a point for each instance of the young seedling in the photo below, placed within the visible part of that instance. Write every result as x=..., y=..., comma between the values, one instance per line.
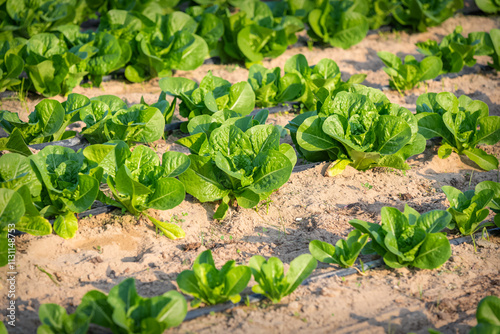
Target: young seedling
x=270, y=277
x=210, y=285
x=344, y=253
x=468, y=210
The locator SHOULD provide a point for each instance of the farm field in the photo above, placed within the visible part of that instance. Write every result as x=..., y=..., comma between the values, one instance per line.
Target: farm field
x=113, y=246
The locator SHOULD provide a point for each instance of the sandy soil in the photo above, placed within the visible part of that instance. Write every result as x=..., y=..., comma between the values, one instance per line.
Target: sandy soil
x=111, y=247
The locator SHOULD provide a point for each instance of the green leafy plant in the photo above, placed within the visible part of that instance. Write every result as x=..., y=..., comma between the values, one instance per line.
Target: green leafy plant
x=454, y=50
x=271, y=88
x=420, y=14
x=488, y=316
x=211, y=286
x=254, y=33
x=48, y=121
x=11, y=64
x=68, y=186
x=160, y=43
x=462, y=123
x=19, y=186
x=344, y=253
x=212, y=95
x=468, y=209
x=55, y=319
x=338, y=24
x=200, y=127
x=494, y=204
x=52, y=67
x=271, y=279
x=139, y=123
x=139, y=182
x=122, y=311
x=325, y=74
x=408, y=238
x=360, y=128
x=25, y=18
x=232, y=164
x=407, y=75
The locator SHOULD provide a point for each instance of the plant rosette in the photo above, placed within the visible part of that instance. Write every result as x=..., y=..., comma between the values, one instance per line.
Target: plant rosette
x=212, y=286
x=360, y=128
x=408, y=238
x=235, y=165
x=139, y=182
x=462, y=123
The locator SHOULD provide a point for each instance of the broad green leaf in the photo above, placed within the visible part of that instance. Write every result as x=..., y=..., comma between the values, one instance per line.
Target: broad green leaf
x=322, y=251
x=175, y=163
x=168, y=194
x=482, y=159
x=66, y=225
x=434, y=252
x=201, y=181
x=300, y=268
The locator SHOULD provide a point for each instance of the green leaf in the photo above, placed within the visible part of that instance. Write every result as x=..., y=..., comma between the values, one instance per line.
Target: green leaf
x=66, y=225
x=322, y=251
x=482, y=159
x=434, y=221
x=15, y=143
x=241, y=98
x=175, y=163
x=311, y=137
x=430, y=68
x=434, y=252
x=53, y=316
x=175, y=86
x=488, y=311
x=95, y=305
x=275, y=171
x=201, y=181
x=10, y=210
x=168, y=194
x=300, y=268
x=445, y=151
x=236, y=280
x=170, y=230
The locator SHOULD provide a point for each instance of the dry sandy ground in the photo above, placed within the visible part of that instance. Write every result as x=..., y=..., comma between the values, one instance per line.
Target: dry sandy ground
x=112, y=247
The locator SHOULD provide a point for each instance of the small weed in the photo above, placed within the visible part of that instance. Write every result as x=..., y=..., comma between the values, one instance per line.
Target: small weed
x=48, y=274
x=367, y=185
x=98, y=249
